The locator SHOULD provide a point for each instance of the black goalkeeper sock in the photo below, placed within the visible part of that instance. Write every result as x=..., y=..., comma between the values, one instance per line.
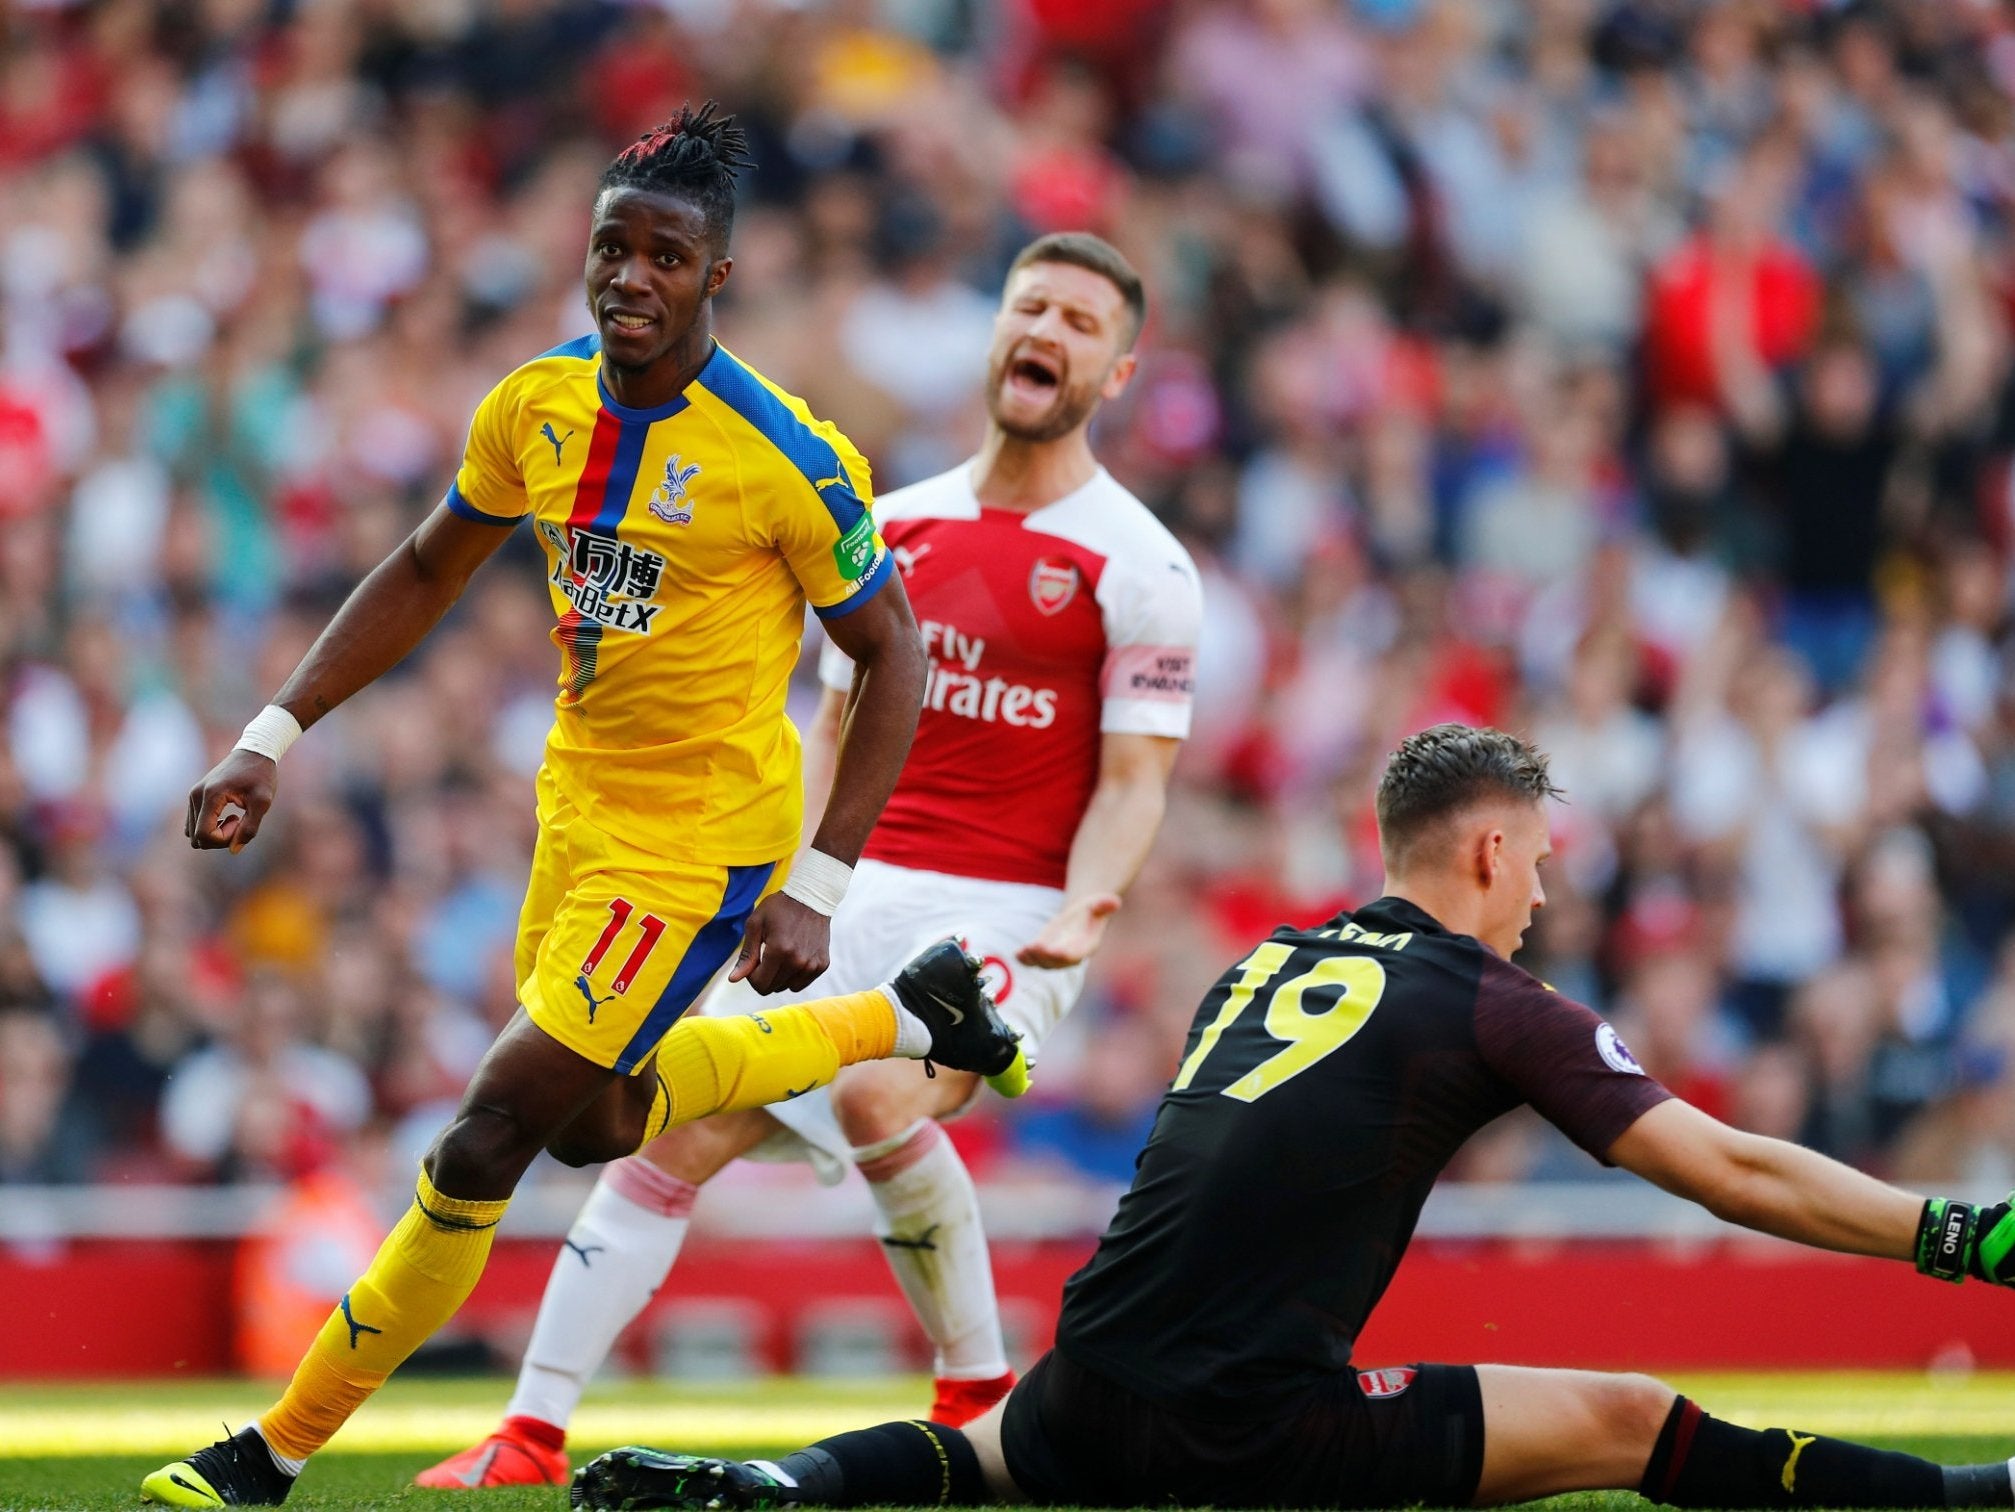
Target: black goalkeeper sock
x=1700, y=1461
x=892, y=1465
x=1980, y=1485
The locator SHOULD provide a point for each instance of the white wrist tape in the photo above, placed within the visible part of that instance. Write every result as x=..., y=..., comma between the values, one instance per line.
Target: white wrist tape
x=271, y=731
x=818, y=882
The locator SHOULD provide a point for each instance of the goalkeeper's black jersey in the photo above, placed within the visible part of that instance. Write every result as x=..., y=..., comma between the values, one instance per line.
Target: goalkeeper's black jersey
x=1327, y=1079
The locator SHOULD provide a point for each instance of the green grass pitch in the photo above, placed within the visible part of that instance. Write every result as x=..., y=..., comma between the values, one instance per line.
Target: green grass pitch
x=87, y=1446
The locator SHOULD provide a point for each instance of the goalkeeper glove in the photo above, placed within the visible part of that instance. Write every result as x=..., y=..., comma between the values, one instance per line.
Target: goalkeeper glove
x=1956, y=1240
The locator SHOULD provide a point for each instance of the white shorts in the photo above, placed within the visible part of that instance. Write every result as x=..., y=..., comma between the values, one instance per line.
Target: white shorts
x=888, y=915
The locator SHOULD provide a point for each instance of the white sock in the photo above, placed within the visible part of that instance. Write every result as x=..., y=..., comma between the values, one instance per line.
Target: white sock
x=280, y=1461
x=615, y=1258
x=925, y=1203
x=913, y=1035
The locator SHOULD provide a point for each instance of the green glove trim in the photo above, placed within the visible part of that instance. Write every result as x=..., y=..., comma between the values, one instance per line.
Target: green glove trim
x=1991, y=1256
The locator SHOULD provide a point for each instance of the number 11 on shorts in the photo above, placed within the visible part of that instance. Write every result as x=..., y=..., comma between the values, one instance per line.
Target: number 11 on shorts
x=653, y=929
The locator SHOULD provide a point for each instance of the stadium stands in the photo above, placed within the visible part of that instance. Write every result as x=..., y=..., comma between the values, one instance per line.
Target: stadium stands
x=1633, y=374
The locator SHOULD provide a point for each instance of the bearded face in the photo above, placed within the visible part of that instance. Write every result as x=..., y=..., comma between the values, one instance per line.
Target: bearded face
x=1059, y=349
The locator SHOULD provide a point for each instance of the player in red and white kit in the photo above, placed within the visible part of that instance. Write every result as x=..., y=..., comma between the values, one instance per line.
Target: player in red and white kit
x=1061, y=620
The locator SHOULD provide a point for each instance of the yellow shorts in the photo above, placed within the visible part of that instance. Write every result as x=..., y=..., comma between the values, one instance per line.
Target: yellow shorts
x=615, y=942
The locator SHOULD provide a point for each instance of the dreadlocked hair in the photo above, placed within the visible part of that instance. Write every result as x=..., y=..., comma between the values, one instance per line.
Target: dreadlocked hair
x=693, y=156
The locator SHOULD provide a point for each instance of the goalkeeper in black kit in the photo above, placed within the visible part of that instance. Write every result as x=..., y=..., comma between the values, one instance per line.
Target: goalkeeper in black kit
x=1203, y=1355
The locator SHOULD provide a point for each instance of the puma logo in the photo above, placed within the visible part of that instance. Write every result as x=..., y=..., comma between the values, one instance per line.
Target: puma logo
x=1797, y=1448
x=356, y=1328
x=583, y=1250
x=588, y=992
x=927, y=1240
x=559, y=442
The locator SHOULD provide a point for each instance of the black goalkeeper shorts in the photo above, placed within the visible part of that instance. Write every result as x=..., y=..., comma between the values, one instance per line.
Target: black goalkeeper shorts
x=1376, y=1438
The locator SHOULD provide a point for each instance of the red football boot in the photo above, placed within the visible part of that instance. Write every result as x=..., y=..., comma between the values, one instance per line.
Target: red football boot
x=959, y=1402
x=521, y=1453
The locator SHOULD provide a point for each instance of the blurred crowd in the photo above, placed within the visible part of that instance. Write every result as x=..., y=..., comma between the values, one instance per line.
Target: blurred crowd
x=1634, y=374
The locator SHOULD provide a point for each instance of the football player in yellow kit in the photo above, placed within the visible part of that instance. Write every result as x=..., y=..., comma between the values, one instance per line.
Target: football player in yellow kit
x=689, y=510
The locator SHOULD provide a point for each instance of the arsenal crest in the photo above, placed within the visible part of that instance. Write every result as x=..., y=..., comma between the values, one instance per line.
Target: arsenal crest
x=1052, y=583
x=1390, y=1382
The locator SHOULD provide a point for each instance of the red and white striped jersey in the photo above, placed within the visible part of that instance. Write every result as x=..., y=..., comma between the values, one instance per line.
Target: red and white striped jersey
x=1044, y=630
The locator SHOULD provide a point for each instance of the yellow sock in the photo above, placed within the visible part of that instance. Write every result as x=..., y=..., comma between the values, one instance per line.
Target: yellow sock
x=709, y=1065
x=423, y=1272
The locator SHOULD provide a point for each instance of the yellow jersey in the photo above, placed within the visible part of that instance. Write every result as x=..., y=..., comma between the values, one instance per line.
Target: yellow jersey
x=682, y=544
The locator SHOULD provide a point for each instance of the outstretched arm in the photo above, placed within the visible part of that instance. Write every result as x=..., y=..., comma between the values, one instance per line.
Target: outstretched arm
x=1784, y=1189
x=1768, y=1184
x=1112, y=841
x=385, y=618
